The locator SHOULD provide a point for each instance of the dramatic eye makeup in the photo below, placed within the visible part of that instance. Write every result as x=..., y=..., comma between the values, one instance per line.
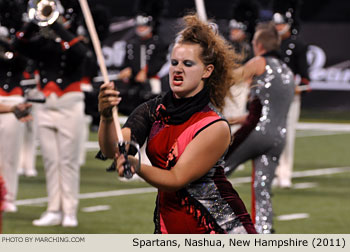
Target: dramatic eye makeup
x=187, y=63
x=174, y=62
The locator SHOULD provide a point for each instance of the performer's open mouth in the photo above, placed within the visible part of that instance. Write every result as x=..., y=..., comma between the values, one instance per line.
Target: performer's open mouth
x=178, y=80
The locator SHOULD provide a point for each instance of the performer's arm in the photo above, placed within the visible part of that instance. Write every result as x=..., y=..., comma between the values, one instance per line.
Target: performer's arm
x=237, y=119
x=108, y=97
x=255, y=66
x=200, y=155
x=21, y=111
x=136, y=128
x=6, y=109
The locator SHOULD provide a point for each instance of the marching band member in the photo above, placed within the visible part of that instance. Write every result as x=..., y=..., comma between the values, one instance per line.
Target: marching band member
x=12, y=65
x=60, y=56
x=293, y=52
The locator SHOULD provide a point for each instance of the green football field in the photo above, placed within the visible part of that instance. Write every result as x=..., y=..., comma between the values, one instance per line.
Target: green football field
x=319, y=201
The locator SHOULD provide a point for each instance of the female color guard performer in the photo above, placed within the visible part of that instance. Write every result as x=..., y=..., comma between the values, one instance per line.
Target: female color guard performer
x=187, y=137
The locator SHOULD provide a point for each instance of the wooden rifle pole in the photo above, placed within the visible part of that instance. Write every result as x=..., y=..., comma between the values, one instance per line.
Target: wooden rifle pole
x=97, y=47
x=200, y=6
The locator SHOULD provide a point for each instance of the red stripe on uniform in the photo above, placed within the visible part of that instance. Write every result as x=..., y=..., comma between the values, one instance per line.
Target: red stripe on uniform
x=15, y=91
x=53, y=87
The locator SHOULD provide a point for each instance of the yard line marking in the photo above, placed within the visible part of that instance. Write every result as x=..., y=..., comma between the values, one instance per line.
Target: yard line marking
x=93, y=195
x=35, y=201
x=295, y=216
x=304, y=185
x=308, y=173
x=240, y=180
x=310, y=133
x=117, y=193
x=98, y=208
x=92, y=146
x=324, y=126
x=320, y=172
x=300, y=174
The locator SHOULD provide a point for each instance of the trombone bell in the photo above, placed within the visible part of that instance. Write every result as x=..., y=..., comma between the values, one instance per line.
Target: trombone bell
x=43, y=12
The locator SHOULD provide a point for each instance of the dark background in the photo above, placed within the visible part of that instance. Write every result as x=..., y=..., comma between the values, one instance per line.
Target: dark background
x=324, y=23
x=312, y=10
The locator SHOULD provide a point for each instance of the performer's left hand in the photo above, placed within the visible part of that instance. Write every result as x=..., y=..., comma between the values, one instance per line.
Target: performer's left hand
x=22, y=112
x=134, y=163
x=107, y=99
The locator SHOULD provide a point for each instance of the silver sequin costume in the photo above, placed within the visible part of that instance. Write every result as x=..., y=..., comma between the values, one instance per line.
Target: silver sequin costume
x=274, y=89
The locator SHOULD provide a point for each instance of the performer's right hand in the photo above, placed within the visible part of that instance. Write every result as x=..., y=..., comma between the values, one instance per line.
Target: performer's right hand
x=107, y=99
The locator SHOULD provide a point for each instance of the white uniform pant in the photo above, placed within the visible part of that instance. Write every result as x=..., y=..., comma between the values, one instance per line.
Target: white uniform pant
x=11, y=139
x=85, y=128
x=59, y=127
x=285, y=168
x=28, y=151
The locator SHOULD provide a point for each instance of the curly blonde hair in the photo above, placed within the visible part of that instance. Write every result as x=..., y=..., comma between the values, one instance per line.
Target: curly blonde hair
x=216, y=51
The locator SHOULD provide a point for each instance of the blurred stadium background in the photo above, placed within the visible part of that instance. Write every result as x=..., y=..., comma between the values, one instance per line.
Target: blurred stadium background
x=324, y=25
x=319, y=201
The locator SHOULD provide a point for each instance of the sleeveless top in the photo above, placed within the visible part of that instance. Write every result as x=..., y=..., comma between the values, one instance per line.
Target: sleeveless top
x=208, y=205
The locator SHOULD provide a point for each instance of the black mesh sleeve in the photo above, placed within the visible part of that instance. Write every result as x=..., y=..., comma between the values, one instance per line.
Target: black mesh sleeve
x=301, y=64
x=141, y=119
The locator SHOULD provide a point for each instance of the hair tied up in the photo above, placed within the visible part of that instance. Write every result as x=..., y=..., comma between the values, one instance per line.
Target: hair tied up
x=214, y=27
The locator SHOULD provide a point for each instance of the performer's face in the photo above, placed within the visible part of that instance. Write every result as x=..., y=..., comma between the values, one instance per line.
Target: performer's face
x=187, y=70
x=144, y=31
x=283, y=30
x=237, y=35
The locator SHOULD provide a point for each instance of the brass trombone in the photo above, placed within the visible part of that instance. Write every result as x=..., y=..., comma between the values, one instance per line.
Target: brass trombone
x=43, y=12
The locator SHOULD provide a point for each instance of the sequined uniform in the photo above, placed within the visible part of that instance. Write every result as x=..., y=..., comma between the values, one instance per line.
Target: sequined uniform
x=208, y=205
x=263, y=139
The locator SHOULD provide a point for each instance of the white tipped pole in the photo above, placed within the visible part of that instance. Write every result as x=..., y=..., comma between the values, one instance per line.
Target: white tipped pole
x=200, y=6
x=97, y=47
